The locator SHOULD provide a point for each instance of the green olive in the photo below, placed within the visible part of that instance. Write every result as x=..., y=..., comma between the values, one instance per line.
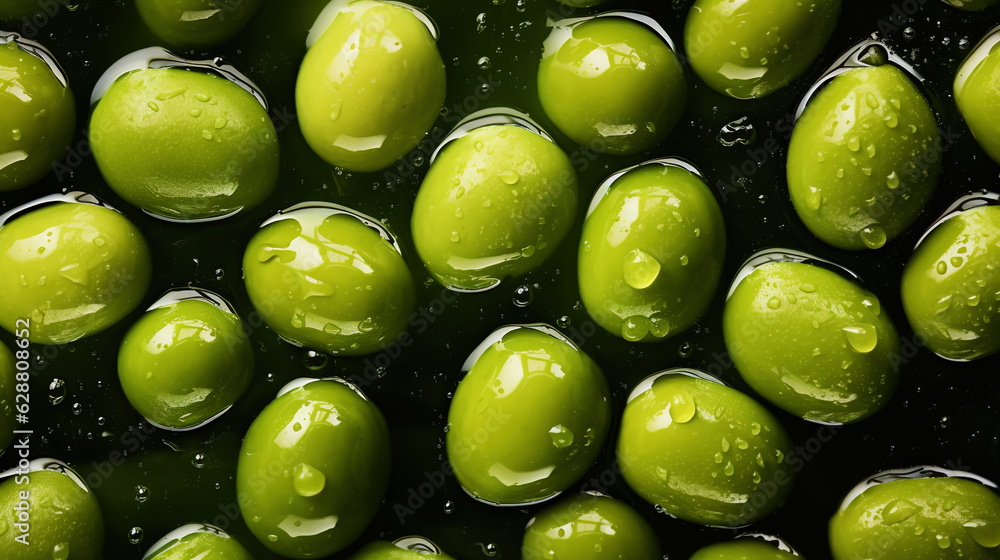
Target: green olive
x=528, y=419
x=184, y=145
x=750, y=49
x=495, y=203
x=192, y=24
x=323, y=278
x=743, y=549
x=612, y=82
x=651, y=253
x=39, y=116
x=313, y=469
x=371, y=86
x=590, y=527
x=71, y=270
x=55, y=514
x=703, y=452
x=8, y=381
x=977, y=95
x=951, y=285
x=864, y=158
x=812, y=342
x=970, y=5
x=942, y=518
x=582, y=3
x=197, y=542
x=382, y=550
x=183, y=364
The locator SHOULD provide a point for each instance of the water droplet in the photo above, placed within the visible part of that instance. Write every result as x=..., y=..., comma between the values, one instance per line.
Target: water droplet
x=528, y=251
x=199, y=460
x=523, y=295
x=308, y=480
x=195, y=112
x=898, y=511
x=483, y=63
x=862, y=337
x=682, y=407
x=510, y=177
x=873, y=236
x=335, y=110
x=15, y=134
x=135, y=535
x=449, y=507
x=729, y=469
x=942, y=267
x=774, y=302
x=685, y=260
x=685, y=350
x=57, y=391
x=207, y=135
x=60, y=551
x=892, y=120
x=204, y=98
x=854, y=144
x=141, y=493
x=640, y=269
x=737, y=132
x=814, y=199
x=985, y=533
x=221, y=122
x=909, y=32
x=313, y=360
x=972, y=300
x=892, y=181
x=943, y=541
x=563, y=322
x=755, y=429
x=956, y=261
x=635, y=328
x=561, y=436
x=659, y=325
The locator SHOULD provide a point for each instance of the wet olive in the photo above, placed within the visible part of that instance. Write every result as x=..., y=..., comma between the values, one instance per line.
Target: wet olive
x=590, y=527
x=39, y=116
x=977, y=96
x=185, y=363
x=71, y=270
x=382, y=550
x=750, y=49
x=371, y=86
x=8, y=382
x=812, y=342
x=528, y=419
x=613, y=83
x=323, y=278
x=651, y=253
x=951, y=285
x=703, y=452
x=864, y=158
x=495, y=203
x=197, y=542
x=743, y=549
x=313, y=468
x=196, y=23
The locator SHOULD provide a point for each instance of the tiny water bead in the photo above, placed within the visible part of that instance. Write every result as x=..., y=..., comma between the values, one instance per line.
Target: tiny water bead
x=199, y=460
x=737, y=132
x=57, y=391
x=135, y=535
x=141, y=493
x=544, y=425
x=523, y=295
x=314, y=361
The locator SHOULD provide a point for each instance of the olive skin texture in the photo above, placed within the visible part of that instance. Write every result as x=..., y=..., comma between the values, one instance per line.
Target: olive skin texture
x=382, y=550
x=72, y=270
x=864, y=158
x=811, y=342
x=494, y=204
x=8, y=380
x=364, y=109
x=39, y=116
x=202, y=546
x=652, y=253
x=590, y=527
x=325, y=280
x=704, y=452
x=183, y=364
x=628, y=104
x=951, y=286
x=184, y=145
x=919, y=519
x=758, y=46
x=546, y=409
x=743, y=549
x=333, y=446
x=214, y=21
x=71, y=524
x=976, y=95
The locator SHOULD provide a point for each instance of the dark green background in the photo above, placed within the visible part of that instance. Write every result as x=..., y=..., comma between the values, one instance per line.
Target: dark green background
x=944, y=413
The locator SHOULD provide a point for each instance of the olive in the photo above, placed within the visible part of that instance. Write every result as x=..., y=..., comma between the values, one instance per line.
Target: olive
x=197, y=542
x=975, y=87
x=192, y=24
x=382, y=550
x=8, y=395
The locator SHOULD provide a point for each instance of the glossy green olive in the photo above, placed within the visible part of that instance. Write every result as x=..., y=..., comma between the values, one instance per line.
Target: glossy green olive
x=919, y=519
x=199, y=545
x=651, y=253
x=182, y=364
x=864, y=158
x=71, y=527
x=189, y=24
x=39, y=117
x=370, y=87
x=382, y=550
x=612, y=83
x=753, y=48
x=184, y=145
x=951, y=286
x=743, y=549
x=812, y=342
x=977, y=95
x=329, y=446
x=323, y=279
x=494, y=204
x=71, y=270
x=590, y=527
x=8, y=394
x=970, y=5
x=704, y=452
x=528, y=419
